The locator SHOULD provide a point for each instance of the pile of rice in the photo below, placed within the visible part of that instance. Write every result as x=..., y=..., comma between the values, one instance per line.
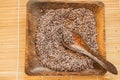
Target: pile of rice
x=55, y=23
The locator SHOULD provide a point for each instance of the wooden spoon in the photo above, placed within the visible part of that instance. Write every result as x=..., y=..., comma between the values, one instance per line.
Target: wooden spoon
x=84, y=49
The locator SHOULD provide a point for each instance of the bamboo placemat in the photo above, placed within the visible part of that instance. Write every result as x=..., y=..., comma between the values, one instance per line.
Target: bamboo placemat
x=12, y=41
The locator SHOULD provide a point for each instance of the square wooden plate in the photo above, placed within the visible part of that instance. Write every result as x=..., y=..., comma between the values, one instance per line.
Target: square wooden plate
x=33, y=9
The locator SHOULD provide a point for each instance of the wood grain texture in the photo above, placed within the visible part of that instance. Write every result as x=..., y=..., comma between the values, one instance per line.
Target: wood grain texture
x=9, y=41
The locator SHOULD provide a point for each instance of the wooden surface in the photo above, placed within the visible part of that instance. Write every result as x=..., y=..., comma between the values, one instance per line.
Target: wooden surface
x=12, y=41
